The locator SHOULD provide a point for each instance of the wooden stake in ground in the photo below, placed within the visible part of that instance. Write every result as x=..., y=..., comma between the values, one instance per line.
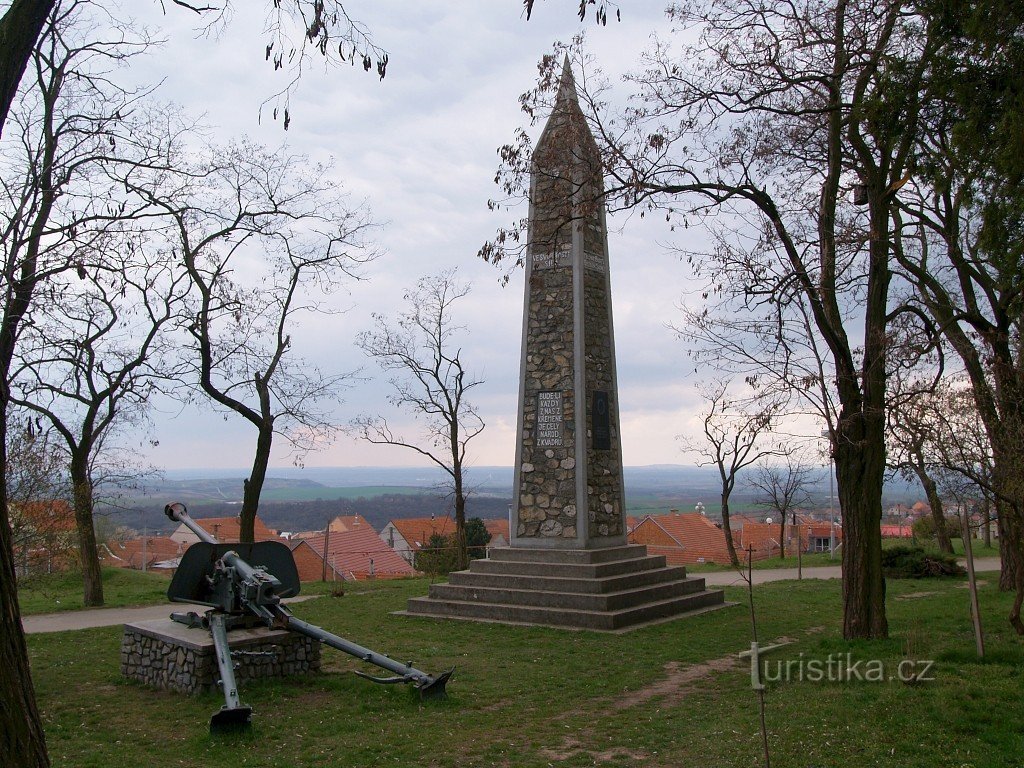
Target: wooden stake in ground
x=753, y=629
x=972, y=584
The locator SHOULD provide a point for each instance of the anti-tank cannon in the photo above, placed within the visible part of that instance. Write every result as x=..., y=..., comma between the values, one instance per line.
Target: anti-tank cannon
x=244, y=584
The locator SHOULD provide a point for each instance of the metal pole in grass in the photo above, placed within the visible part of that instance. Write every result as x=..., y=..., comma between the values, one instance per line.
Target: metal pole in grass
x=965, y=530
x=799, y=550
x=753, y=630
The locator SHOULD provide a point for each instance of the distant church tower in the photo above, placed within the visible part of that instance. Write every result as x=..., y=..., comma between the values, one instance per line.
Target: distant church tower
x=568, y=473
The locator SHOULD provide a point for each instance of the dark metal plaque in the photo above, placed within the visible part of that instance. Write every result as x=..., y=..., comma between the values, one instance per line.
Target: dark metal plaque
x=600, y=422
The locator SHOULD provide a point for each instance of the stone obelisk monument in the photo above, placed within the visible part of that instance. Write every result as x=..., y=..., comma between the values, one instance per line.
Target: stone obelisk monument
x=569, y=564
x=568, y=471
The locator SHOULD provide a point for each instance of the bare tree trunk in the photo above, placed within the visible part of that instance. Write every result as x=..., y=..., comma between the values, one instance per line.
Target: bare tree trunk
x=782, y=537
x=938, y=515
x=734, y=559
x=859, y=475
x=88, y=552
x=22, y=742
x=252, y=486
x=19, y=32
x=462, y=552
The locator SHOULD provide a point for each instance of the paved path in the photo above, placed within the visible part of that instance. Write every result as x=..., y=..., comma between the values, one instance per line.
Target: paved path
x=731, y=578
x=108, y=617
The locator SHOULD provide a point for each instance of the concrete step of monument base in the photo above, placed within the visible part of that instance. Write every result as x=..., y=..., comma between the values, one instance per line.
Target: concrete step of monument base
x=578, y=556
x=604, y=585
x=568, y=569
x=631, y=596
x=568, y=618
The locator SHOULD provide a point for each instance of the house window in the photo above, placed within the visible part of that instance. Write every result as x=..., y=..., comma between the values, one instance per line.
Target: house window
x=820, y=544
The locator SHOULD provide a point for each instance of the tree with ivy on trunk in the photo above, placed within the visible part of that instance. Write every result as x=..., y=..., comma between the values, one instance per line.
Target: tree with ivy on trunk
x=962, y=236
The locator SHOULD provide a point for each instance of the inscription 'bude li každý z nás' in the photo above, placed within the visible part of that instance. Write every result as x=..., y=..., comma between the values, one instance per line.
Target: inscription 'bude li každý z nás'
x=549, y=419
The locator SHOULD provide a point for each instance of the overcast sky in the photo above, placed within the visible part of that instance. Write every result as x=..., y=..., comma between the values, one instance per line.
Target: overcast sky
x=420, y=147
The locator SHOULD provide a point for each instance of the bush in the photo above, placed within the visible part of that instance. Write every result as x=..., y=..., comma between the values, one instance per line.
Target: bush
x=924, y=528
x=439, y=556
x=914, y=563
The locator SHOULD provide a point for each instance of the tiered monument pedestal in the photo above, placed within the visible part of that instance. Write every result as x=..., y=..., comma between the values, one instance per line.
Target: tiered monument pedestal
x=609, y=589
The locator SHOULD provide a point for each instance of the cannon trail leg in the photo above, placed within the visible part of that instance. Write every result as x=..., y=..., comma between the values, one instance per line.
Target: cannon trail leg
x=233, y=714
x=428, y=686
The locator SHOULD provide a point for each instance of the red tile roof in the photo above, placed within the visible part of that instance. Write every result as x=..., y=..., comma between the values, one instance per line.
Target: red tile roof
x=227, y=529
x=684, y=538
x=310, y=563
x=348, y=523
x=52, y=516
x=132, y=553
x=350, y=552
x=418, y=530
x=497, y=527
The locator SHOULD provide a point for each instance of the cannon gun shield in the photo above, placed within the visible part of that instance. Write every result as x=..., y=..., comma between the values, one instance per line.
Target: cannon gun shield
x=243, y=581
x=191, y=582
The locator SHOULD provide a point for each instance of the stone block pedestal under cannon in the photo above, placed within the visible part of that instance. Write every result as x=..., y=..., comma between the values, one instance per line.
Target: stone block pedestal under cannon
x=170, y=656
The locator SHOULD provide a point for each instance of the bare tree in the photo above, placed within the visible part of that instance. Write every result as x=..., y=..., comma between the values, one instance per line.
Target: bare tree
x=913, y=429
x=784, y=488
x=89, y=365
x=737, y=434
x=264, y=237
x=296, y=32
x=62, y=190
x=428, y=382
x=37, y=493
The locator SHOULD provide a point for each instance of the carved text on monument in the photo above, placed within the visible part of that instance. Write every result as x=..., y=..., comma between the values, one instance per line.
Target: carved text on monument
x=549, y=419
x=549, y=259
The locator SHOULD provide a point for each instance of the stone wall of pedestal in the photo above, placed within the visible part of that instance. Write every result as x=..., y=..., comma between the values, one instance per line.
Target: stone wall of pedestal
x=170, y=656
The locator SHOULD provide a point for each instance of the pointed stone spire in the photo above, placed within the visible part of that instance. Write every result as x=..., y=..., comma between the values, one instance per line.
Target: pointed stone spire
x=569, y=459
x=566, y=139
x=567, y=86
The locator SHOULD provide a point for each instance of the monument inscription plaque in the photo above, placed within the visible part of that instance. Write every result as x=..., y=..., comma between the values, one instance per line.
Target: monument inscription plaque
x=549, y=419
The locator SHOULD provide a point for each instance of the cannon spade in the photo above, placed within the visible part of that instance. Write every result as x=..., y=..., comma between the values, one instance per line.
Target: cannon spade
x=243, y=584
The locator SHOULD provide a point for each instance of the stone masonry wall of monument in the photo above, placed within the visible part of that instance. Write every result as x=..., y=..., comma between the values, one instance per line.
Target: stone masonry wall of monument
x=604, y=486
x=548, y=461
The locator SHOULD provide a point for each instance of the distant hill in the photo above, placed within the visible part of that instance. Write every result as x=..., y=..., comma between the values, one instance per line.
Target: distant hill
x=306, y=498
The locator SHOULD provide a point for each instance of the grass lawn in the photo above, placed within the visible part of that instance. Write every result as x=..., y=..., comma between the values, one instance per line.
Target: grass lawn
x=668, y=695
x=122, y=587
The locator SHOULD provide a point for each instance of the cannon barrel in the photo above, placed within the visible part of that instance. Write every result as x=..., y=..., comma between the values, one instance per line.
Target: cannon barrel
x=427, y=685
x=179, y=514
